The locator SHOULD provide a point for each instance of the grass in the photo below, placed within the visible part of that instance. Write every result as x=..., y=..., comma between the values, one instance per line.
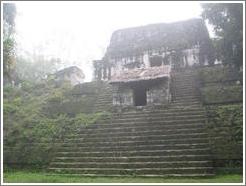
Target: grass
x=42, y=177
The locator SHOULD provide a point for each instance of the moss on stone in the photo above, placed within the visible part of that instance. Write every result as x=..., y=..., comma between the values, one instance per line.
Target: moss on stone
x=218, y=74
x=222, y=94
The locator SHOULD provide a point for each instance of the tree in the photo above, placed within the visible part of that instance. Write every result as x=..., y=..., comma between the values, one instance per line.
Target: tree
x=36, y=67
x=227, y=20
x=9, y=13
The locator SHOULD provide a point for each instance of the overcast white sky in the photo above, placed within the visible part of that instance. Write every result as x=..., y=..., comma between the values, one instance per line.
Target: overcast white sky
x=79, y=32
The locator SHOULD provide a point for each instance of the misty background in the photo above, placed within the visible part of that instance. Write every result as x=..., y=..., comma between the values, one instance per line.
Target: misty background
x=57, y=35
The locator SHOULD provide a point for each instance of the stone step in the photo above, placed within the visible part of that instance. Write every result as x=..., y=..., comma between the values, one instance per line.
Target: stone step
x=130, y=142
x=159, y=114
x=178, y=74
x=102, y=107
x=176, y=84
x=131, y=165
x=104, y=95
x=186, y=91
x=186, y=103
x=146, y=133
x=183, y=95
x=186, y=79
x=163, y=128
x=137, y=138
x=153, y=123
x=143, y=128
x=159, y=119
x=193, y=92
x=187, y=94
x=139, y=175
x=134, y=153
x=182, y=82
x=184, y=74
x=182, y=86
x=104, y=101
x=180, y=101
x=179, y=170
x=156, y=118
x=183, y=78
x=203, y=157
x=188, y=98
x=149, y=123
x=107, y=101
x=168, y=110
x=132, y=147
x=105, y=98
x=181, y=98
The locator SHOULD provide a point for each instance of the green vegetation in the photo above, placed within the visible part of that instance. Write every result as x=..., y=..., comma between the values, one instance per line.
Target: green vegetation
x=35, y=120
x=225, y=126
x=9, y=13
x=227, y=19
x=218, y=74
x=229, y=116
x=222, y=94
x=220, y=84
x=42, y=177
x=36, y=67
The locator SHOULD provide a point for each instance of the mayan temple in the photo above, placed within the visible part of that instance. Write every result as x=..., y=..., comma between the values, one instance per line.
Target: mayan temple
x=149, y=82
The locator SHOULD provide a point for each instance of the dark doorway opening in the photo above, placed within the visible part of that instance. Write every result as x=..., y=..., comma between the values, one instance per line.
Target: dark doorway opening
x=140, y=98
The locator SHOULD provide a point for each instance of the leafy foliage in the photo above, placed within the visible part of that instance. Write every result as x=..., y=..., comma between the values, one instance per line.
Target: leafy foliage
x=227, y=19
x=225, y=127
x=36, y=67
x=31, y=134
x=9, y=13
x=230, y=116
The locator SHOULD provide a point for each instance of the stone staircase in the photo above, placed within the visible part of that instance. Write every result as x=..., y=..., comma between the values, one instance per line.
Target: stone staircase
x=185, y=89
x=149, y=142
x=104, y=100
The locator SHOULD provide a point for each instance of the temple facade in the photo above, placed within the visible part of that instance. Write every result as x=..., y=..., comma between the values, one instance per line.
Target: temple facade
x=138, y=62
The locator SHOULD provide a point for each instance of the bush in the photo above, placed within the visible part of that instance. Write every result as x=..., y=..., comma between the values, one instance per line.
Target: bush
x=225, y=128
x=87, y=119
x=35, y=124
x=85, y=89
x=227, y=116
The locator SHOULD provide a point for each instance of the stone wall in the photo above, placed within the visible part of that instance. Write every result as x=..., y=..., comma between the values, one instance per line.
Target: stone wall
x=159, y=93
x=104, y=69
x=156, y=57
x=220, y=85
x=81, y=99
x=222, y=95
x=122, y=96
